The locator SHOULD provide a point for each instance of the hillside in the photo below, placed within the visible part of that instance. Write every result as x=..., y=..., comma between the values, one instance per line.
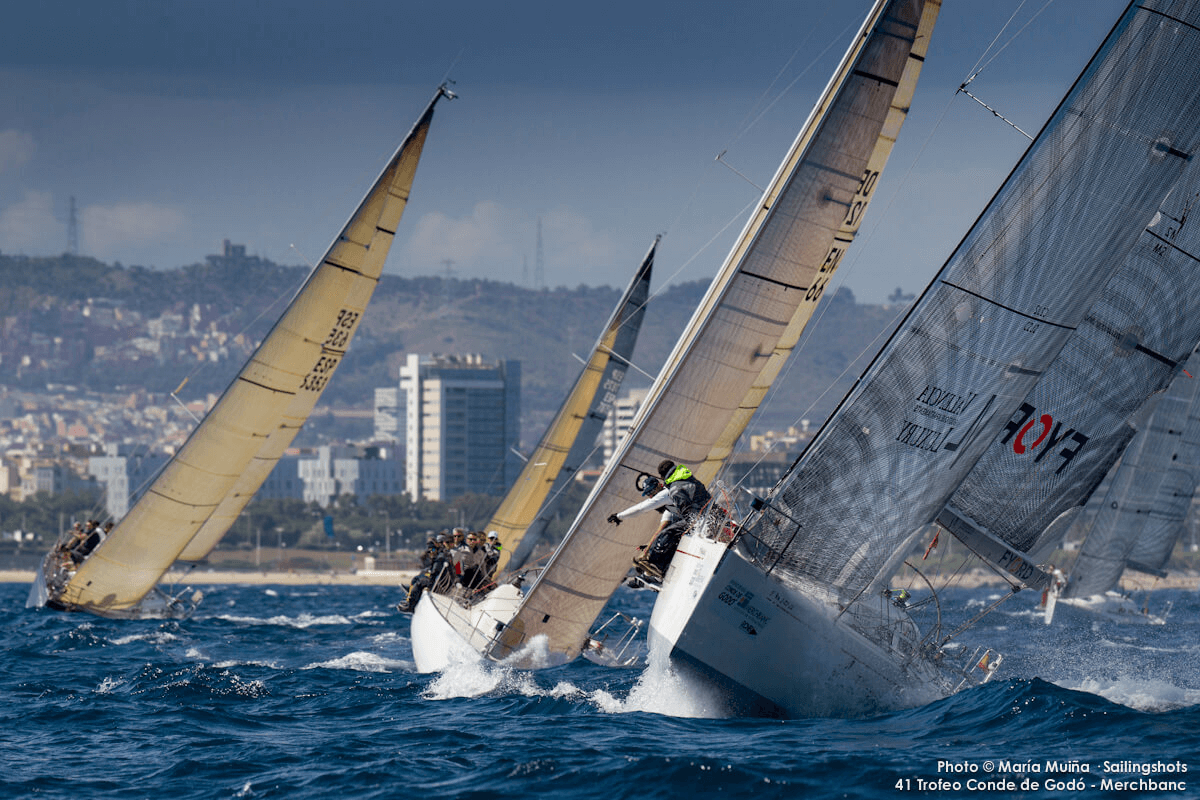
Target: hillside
x=69, y=320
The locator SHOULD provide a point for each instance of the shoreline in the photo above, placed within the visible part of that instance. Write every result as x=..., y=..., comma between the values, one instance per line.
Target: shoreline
x=259, y=578
x=1134, y=582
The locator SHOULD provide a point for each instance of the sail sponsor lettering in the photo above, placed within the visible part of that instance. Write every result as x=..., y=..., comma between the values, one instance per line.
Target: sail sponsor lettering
x=1031, y=432
x=944, y=400
x=739, y=599
x=1016, y=565
x=920, y=437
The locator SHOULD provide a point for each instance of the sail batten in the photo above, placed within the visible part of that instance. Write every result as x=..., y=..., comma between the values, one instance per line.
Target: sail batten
x=232, y=450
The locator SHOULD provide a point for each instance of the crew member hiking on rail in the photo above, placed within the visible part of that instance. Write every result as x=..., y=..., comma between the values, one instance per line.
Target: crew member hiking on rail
x=683, y=498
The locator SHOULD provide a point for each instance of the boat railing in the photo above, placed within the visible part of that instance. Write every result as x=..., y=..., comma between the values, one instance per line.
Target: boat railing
x=610, y=644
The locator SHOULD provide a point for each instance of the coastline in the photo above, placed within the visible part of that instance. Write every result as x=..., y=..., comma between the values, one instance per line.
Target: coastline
x=395, y=578
x=1131, y=582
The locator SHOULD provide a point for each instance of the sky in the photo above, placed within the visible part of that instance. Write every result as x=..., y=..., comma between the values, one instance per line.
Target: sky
x=177, y=124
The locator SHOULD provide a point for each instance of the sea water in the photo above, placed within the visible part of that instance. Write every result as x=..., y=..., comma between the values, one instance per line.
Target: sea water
x=310, y=692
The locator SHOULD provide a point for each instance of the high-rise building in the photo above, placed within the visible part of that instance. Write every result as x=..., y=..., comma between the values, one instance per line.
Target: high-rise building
x=387, y=414
x=616, y=424
x=462, y=425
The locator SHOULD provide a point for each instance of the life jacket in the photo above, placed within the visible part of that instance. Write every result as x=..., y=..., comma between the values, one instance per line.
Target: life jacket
x=688, y=495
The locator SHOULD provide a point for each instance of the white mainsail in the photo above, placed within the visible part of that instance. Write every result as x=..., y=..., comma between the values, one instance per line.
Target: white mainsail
x=1142, y=514
x=748, y=322
x=571, y=437
x=201, y=491
x=814, y=562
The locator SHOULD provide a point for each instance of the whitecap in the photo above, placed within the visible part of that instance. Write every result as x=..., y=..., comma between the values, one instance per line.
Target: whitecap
x=155, y=637
x=302, y=621
x=108, y=684
x=360, y=661
x=1140, y=693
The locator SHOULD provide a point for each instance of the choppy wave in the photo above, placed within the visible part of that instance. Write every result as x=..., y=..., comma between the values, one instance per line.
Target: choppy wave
x=314, y=694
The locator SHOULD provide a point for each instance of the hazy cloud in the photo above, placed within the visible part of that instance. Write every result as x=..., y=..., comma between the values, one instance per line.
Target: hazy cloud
x=16, y=148
x=497, y=242
x=31, y=227
x=107, y=232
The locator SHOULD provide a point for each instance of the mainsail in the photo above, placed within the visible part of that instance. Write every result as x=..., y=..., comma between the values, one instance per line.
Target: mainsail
x=571, y=437
x=751, y=317
x=201, y=491
x=1142, y=514
x=1070, y=430
x=955, y=374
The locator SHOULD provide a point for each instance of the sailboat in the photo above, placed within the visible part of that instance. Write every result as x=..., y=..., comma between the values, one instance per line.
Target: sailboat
x=443, y=619
x=200, y=492
x=736, y=342
x=1142, y=515
x=996, y=406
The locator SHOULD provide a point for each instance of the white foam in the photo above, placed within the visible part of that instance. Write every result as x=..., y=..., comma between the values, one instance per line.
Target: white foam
x=301, y=621
x=155, y=637
x=108, y=684
x=661, y=690
x=1140, y=693
x=360, y=661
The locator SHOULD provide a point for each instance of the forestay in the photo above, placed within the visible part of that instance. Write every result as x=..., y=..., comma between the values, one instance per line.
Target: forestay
x=1000, y=310
x=748, y=321
x=571, y=437
x=202, y=489
x=1142, y=514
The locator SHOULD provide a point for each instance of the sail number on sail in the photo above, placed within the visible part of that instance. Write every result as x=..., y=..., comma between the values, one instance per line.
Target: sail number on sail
x=854, y=215
x=339, y=335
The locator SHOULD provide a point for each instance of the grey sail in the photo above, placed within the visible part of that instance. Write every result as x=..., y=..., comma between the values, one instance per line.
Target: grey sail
x=956, y=373
x=1142, y=514
x=1067, y=434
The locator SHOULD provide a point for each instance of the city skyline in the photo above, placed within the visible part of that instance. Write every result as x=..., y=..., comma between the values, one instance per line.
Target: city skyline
x=182, y=126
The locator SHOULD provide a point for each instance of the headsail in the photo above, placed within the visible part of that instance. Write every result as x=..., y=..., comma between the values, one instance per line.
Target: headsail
x=202, y=489
x=1142, y=513
x=569, y=440
x=973, y=347
x=752, y=315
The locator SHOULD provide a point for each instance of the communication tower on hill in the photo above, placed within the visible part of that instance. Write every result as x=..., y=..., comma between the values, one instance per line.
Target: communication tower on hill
x=539, y=264
x=72, y=229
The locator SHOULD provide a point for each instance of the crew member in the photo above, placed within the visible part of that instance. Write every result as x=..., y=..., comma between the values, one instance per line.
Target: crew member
x=682, y=498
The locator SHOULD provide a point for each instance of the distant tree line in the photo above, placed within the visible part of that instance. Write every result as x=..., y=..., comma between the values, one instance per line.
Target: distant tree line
x=294, y=523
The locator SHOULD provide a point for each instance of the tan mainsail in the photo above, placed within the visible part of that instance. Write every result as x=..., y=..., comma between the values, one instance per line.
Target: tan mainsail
x=752, y=316
x=568, y=441
x=203, y=488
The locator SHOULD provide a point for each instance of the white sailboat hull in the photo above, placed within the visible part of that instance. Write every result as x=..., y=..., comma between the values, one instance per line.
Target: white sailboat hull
x=443, y=632
x=770, y=650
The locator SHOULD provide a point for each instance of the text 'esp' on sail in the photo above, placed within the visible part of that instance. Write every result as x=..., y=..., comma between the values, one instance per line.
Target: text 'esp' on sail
x=748, y=322
x=201, y=491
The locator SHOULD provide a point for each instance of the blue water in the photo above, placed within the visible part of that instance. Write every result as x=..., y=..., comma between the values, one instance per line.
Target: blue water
x=310, y=692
